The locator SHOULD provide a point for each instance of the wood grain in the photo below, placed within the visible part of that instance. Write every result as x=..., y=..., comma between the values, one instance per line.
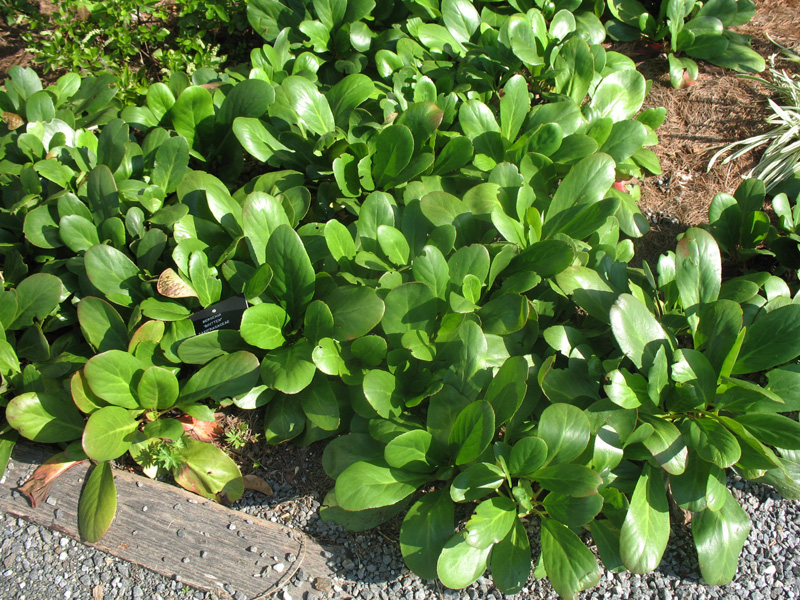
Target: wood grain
x=158, y=525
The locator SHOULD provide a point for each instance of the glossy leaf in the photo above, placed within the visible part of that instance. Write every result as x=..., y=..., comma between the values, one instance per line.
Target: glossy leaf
x=645, y=532
x=98, y=503
x=109, y=433
x=570, y=565
x=427, y=527
x=45, y=418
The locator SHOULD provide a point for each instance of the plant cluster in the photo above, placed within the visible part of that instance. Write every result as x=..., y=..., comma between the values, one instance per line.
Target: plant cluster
x=134, y=40
x=423, y=205
x=695, y=30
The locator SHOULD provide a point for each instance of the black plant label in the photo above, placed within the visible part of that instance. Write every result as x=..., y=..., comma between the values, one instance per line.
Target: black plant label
x=225, y=314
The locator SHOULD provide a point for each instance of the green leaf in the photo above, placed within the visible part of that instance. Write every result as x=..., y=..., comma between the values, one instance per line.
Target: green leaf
x=225, y=377
x=785, y=382
x=98, y=503
x=505, y=314
x=78, y=233
x=411, y=451
x=565, y=429
x=164, y=310
x=284, y=419
x=473, y=431
x=773, y=429
x=205, y=280
x=41, y=227
x=411, y=306
x=771, y=340
x=645, y=532
x=193, y=116
x=570, y=565
x=320, y=405
x=511, y=560
x=380, y=389
x=394, y=147
x=158, y=388
x=514, y=106
x=114, y=274
x=101, y=325
x=249, y=98
x=528, y=455
x=573, y=512
x=461, y=19
x=460, y=564
x=37, y=297
x=293, y=277
x=356, y=310
x=365, y=485
x=262, y=214
x=171, y=164
x=426, y=528
x=339, y=241
x=109, y=433
x=568, y=479
x=620, y=95
x=714, y=443
x=637, y=332
x=507, y=389
x=208, y=471
x=474, y=482
x=698, y=265
x=491, y=522
x=586, y=183
x=394, y=245
x=739, y=58
x=113, y=376
x=289, y=368
x=262, y=326
x=719, y=537
x=309, y=104
x=667, y=446
x=45, y=418
x=347, y=95
x=456, y=154
x=718, y=330
x=101, y=190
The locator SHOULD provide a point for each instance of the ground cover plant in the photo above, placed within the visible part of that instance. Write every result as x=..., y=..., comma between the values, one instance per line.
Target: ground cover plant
x=428, y=209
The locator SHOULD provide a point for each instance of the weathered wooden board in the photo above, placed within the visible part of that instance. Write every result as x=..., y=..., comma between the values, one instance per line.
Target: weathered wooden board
x=158, y=526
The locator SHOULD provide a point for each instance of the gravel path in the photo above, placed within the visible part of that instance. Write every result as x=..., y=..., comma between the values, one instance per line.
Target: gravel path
x=36, y=564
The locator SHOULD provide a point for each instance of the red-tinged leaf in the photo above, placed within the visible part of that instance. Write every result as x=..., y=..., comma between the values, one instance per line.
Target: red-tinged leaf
x=256, y=483
x=202, y=431
x=37, y=488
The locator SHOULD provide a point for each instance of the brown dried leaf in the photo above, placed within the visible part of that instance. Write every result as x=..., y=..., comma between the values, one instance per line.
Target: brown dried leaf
x=256, y=483
x=171, y=285
x=12, y=120
x=37, y=488
x=202, y=431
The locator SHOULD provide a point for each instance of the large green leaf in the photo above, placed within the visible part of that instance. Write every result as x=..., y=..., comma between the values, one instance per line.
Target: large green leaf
x=620, y=95
x=565, y=429
x=698, y=266
x=262, y=214
x=528, y=455
x=586, y=183
x=208, y=471
x=773, y=429
x=645, y=532
x=411, y=451
x=224, y=377
x=427, y=527
x=570, y=565
x=193, y=116
x=636, y=330
x=37, y=296
x=109, y=433
x=365, y=485
x=460, y=564
x=507, y=389
x=45, y=418
x=101, y=325
x=511, y=560
x=293, y=276
x=571, y=511
x=158, y=388
x=394, y=147
x=309, y=104
x=491, y=522
x=514, y=106
x=475, y=482
x=714, y=443
x=289, y=368
x=262, y=326
x=568, y=479
x=719, y=537
x=348, y=94
x=356, y=311
x=249, y=98
x=98, y=503
x=171, y=164
x=411, y=306
x=473, y=431
x=114, y=274
x=667, y=446
x=771, y=340
x=113, y=376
